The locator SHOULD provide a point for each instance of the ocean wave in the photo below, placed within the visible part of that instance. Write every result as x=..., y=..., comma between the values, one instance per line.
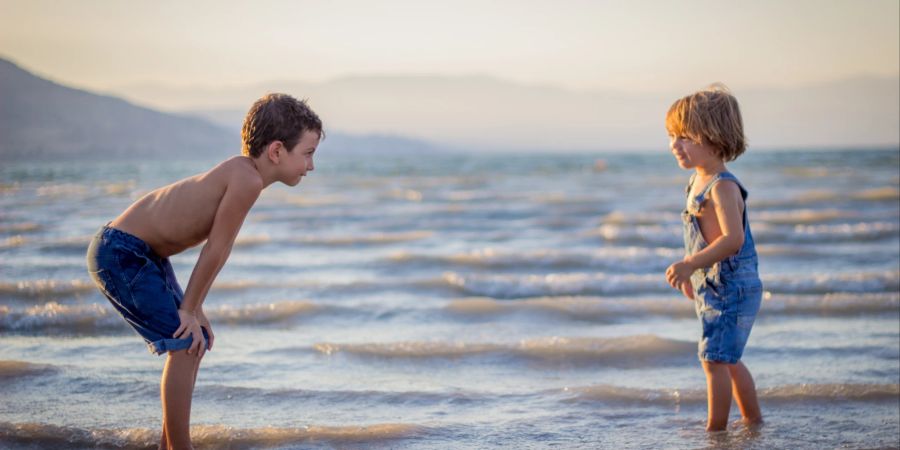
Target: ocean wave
x=264, y=312
x=214, y=436
x=14, y=369
x=620, y=258
x=601, y=309
x=365, y=239
x=21, y=227
x=824, y=283
x=45, y=288
x=86, y=317
x=785, y=393
x=574, y=308
x=877, y=194
x=627, y=350
x=519, y=286
x=640, y=218
x=821, y=196
x=505, y=286
x=763, y=232
x=332, y=397
x=833, y=303
x=803, y=216
x=13, y=242
x=93, y=316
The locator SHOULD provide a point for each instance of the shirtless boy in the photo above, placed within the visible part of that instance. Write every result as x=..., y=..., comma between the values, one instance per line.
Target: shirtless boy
x=128, y=258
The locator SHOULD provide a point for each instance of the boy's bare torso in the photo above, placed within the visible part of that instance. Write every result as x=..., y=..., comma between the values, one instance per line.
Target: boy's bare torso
x=176, y=217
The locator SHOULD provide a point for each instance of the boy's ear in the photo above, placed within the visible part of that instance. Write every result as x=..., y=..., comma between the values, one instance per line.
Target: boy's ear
x=273, y=151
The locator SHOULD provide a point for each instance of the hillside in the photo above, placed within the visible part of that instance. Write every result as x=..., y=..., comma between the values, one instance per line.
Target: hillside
x=40, y=118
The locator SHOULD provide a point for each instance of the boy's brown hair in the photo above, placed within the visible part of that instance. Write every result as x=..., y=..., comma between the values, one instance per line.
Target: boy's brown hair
x=710, y=116
x=277, y=117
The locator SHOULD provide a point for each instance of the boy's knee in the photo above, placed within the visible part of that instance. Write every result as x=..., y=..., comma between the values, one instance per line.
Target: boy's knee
x=714, y=366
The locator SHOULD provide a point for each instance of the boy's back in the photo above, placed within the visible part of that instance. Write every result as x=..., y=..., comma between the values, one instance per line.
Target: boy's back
x=181, y=215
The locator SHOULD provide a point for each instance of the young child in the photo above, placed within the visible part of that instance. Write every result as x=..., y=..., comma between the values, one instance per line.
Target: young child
x=719, y=271
x=128, y=258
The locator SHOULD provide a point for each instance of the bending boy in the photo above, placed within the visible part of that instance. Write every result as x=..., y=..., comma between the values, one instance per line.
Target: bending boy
x=128, y=258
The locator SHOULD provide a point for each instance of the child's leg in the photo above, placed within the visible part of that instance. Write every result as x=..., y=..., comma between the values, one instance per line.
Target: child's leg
x=718, y=393
x=164, y=439
x=744, y=390
x=176, y=390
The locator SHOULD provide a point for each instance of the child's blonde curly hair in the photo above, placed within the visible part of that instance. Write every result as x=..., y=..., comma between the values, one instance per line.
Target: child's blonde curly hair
x=712, y=117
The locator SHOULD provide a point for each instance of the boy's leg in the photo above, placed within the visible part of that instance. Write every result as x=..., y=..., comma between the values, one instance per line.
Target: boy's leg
x=718, y=393
x=744, y=390
x=164, y=440
x=176, y=390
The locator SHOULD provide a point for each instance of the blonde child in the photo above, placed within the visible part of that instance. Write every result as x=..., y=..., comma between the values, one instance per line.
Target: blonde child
x=719, y=271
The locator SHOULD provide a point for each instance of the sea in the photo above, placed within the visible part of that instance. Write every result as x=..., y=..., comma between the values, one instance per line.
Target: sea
x=463, y=301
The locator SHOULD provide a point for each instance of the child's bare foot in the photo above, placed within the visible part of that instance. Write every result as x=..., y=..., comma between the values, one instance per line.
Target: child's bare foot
x=751, y=424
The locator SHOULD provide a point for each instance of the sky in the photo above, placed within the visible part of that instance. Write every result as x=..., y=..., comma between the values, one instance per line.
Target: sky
x=634, y=46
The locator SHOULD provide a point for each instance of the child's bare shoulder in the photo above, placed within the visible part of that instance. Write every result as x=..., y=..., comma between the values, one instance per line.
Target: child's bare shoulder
x=240, y=172
x=726, y=191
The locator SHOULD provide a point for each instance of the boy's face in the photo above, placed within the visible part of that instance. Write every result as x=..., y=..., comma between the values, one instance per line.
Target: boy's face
x=299, y=160
x=691, y=154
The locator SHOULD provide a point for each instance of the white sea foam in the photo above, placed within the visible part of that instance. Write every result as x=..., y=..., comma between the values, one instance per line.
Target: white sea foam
x=763, y=232
x=46, y=288
x=204, y=436
x=628, y=349
x=367, y=239
x=601, y=284
x=605, y=309
x=517, y=286
x=93, y=316
x=617, y=258
x=786, y=393
x=813, y=283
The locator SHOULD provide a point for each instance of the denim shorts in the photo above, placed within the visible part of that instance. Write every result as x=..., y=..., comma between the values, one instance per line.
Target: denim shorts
x=140, y=285
x=727, y=310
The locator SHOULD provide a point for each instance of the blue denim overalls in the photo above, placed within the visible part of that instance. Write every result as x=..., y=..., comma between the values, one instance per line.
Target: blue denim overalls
x=727, y=295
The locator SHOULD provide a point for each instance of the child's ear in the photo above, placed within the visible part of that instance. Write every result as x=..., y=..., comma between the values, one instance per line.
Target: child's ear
x=273, y=151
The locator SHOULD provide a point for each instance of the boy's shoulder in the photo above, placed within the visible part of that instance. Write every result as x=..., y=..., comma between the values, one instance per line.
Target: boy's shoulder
x=726, y=189
x=239, y=170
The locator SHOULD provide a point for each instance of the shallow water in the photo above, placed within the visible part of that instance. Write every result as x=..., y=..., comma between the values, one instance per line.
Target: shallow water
x=463, y=302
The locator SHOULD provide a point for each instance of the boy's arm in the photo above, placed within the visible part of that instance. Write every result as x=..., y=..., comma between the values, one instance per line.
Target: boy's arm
x=240, y=194
x=727, y=201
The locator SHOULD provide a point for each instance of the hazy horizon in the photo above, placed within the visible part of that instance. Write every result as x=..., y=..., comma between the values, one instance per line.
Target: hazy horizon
x=576, y=75
x=639, y=46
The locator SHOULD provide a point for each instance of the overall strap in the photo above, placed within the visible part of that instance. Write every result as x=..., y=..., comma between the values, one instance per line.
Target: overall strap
x=687, y=190
x=719, y=177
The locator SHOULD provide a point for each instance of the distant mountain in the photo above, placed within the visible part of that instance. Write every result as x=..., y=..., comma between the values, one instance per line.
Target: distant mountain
x=478, y=112
x=42, y=119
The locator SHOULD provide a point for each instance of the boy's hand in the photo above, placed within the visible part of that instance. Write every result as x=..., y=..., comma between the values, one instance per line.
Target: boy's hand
x=190, y=327
x=204, y=323
x=678, y=276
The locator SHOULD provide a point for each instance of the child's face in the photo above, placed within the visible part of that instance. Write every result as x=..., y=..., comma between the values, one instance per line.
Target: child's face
x=299, y=160
x=691, y=154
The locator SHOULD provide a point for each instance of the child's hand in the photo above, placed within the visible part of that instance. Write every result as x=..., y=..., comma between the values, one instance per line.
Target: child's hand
x=190, y=327
x=678, y=276
x=687, y=289
x=204, y=323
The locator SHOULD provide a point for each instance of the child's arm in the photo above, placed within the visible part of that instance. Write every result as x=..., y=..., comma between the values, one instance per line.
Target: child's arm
x=241, y=192
x=728, y=205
